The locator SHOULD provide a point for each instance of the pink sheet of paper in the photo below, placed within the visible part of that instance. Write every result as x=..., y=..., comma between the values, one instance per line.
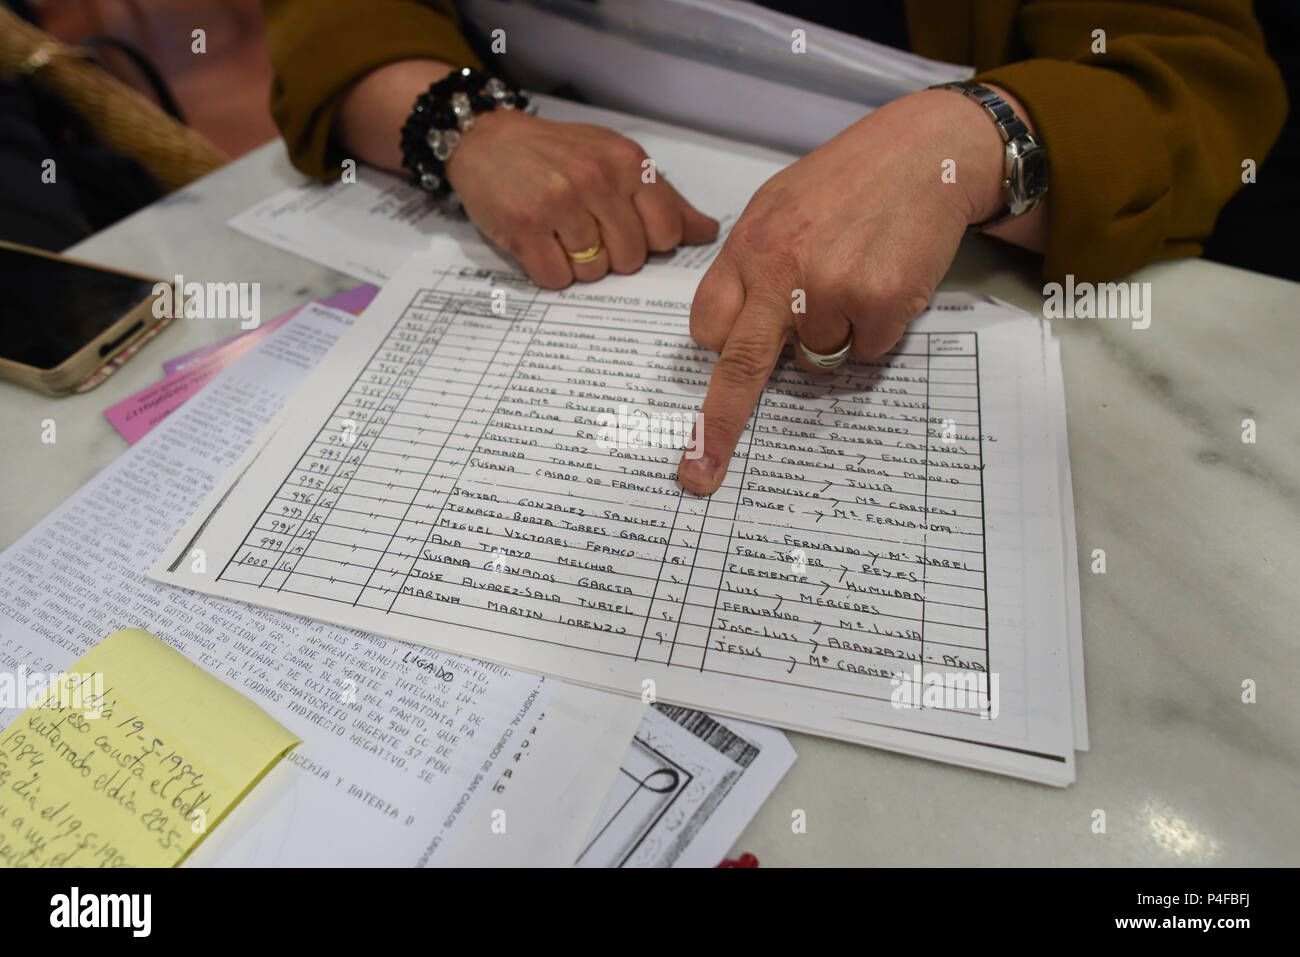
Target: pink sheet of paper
x=351, y=300
x=135, y=417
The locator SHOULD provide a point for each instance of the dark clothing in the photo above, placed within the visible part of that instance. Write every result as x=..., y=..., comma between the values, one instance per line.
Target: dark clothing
x=884, y=21
x=92, y=186
x=1254, y=229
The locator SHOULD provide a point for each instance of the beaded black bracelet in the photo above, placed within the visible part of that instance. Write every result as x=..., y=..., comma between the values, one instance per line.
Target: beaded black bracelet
x=441, y=114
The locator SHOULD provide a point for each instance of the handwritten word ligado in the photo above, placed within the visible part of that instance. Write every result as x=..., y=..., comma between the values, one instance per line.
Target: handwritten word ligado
x=75, y=909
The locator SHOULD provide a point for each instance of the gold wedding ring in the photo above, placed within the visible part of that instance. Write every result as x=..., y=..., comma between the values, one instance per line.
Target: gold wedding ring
x=586, y=255
x=824, y=360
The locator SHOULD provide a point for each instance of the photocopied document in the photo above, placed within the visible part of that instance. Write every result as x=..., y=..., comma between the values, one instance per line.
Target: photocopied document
x=400, y=744
x=883, y=563
x=136, y=415
x=687, y=786
x=349, y=300
x=552, y=782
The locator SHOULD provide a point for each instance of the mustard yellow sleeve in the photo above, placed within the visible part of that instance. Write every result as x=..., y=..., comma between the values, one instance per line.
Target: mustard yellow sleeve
x=320, y=47
x=1146, y=141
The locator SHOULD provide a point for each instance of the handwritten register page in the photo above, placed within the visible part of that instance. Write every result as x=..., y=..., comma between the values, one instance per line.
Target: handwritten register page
x=488, y=468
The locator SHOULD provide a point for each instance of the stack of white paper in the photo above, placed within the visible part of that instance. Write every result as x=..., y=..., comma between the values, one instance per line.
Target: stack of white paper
x=488, y=468
x=756, y=40
x=731, y=68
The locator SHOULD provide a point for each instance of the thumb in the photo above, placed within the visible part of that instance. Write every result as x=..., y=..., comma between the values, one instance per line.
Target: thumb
x=697, y=228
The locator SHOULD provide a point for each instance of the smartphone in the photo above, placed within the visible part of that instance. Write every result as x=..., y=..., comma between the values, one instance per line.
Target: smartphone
x=62, y=321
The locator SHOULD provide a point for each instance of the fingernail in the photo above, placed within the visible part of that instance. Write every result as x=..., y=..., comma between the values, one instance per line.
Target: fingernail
x=700, y=472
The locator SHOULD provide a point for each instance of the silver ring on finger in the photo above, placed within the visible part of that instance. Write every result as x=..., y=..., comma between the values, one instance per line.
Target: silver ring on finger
x=823, y=360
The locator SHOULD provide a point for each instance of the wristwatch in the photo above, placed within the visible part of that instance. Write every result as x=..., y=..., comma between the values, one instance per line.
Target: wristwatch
x=1024, y=166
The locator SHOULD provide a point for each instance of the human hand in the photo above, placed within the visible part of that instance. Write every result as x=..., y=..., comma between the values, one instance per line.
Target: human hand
x=538, y=188
x=860, y=232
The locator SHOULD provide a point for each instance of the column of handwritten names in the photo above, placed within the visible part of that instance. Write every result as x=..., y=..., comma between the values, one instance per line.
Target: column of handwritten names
x=857, y=548
x=493, y=467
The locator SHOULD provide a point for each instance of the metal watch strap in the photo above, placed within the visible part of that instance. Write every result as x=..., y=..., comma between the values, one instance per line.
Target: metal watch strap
x=1009, y=125
x=1003, y=115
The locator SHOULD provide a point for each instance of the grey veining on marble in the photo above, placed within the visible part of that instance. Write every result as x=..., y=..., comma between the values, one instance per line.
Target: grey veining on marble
x=1201, y=534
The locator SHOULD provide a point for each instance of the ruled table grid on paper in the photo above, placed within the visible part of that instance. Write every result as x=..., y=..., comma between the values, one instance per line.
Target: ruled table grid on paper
x=460, y=481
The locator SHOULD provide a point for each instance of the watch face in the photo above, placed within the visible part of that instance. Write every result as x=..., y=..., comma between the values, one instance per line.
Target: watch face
x=1033, y=173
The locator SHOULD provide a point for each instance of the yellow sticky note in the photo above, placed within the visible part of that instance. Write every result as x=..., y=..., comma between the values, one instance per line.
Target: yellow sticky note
x=129, y=760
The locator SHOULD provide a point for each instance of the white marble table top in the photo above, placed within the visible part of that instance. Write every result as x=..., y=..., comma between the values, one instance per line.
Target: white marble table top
x=1201, y=533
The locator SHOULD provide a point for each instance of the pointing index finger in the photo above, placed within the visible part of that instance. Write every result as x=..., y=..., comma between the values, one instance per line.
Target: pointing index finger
x=742, y=370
